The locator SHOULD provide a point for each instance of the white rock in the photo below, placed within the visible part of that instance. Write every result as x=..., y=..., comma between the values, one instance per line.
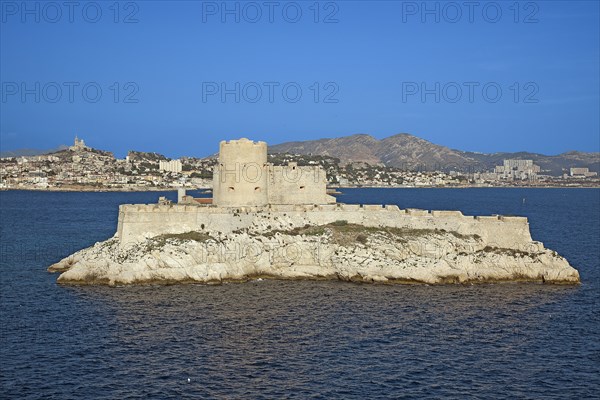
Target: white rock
x=434, y=259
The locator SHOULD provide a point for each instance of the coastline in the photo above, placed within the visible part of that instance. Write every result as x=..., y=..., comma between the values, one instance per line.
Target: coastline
x=174, y=189
x=334, y=251
x=84, y=190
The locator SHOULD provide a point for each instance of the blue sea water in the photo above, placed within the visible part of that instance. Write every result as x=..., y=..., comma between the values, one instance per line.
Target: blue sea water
x=302, y=339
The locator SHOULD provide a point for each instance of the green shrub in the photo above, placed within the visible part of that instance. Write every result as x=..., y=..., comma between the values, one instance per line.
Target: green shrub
x=339, y=222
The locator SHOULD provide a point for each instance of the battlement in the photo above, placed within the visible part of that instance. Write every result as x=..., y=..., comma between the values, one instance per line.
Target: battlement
x=146, y=220
x=243, y=142
x=390, y=210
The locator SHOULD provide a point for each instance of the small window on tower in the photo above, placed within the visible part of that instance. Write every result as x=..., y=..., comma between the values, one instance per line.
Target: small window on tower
x=257, y=189
x=231, y=188
x=301, y=187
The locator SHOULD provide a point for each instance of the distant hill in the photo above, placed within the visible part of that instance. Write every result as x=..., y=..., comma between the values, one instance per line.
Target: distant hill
x=410, y=152
x=145, y=156
x=30, y=152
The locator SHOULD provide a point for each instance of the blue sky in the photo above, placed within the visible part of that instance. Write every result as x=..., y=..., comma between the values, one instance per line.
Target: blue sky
x=178, y=77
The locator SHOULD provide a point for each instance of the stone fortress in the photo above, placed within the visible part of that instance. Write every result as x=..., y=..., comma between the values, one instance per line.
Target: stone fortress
x=248, y=191
x=243, y=177
x=279, y=222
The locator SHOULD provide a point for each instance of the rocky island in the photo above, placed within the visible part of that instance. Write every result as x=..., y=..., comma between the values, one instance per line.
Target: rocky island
x=273, y=221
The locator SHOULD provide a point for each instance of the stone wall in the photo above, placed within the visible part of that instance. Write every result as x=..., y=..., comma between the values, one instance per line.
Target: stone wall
x=138, y=221
x=291, y=184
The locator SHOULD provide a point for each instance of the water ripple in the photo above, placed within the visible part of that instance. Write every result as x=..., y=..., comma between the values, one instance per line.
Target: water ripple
x=273, y=339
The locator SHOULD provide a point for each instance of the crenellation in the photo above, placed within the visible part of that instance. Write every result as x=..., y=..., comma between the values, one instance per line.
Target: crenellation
x=520, y=220
x=487, y=218
x=444, y=213
x=417, y=212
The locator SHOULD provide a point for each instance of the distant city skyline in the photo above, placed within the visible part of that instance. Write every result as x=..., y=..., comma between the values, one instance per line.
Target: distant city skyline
x=176, y=78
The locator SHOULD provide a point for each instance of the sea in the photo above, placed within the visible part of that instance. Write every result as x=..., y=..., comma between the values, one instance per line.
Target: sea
x=297, y=339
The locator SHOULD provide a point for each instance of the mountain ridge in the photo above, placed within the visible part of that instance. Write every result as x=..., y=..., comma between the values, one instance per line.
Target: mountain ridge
x=407, y=151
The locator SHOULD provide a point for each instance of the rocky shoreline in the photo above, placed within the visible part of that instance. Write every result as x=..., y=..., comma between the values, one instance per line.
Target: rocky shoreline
x=338, y=251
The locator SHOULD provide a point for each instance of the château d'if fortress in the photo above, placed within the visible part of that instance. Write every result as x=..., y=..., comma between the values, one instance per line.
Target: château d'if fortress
x=248, y=191
x=278, y=221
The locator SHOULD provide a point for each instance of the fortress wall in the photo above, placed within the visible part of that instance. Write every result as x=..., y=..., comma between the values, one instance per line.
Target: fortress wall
x=329, y=207
x=138, y=221
x=291, y=184
x=447, y=213
x=415, y=211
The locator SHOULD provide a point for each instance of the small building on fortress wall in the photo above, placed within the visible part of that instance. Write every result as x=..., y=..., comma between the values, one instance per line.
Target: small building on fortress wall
x=243, y=177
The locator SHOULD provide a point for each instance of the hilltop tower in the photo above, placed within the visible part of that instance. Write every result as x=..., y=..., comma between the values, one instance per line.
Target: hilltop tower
x=79, y=144
x=241, y=175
